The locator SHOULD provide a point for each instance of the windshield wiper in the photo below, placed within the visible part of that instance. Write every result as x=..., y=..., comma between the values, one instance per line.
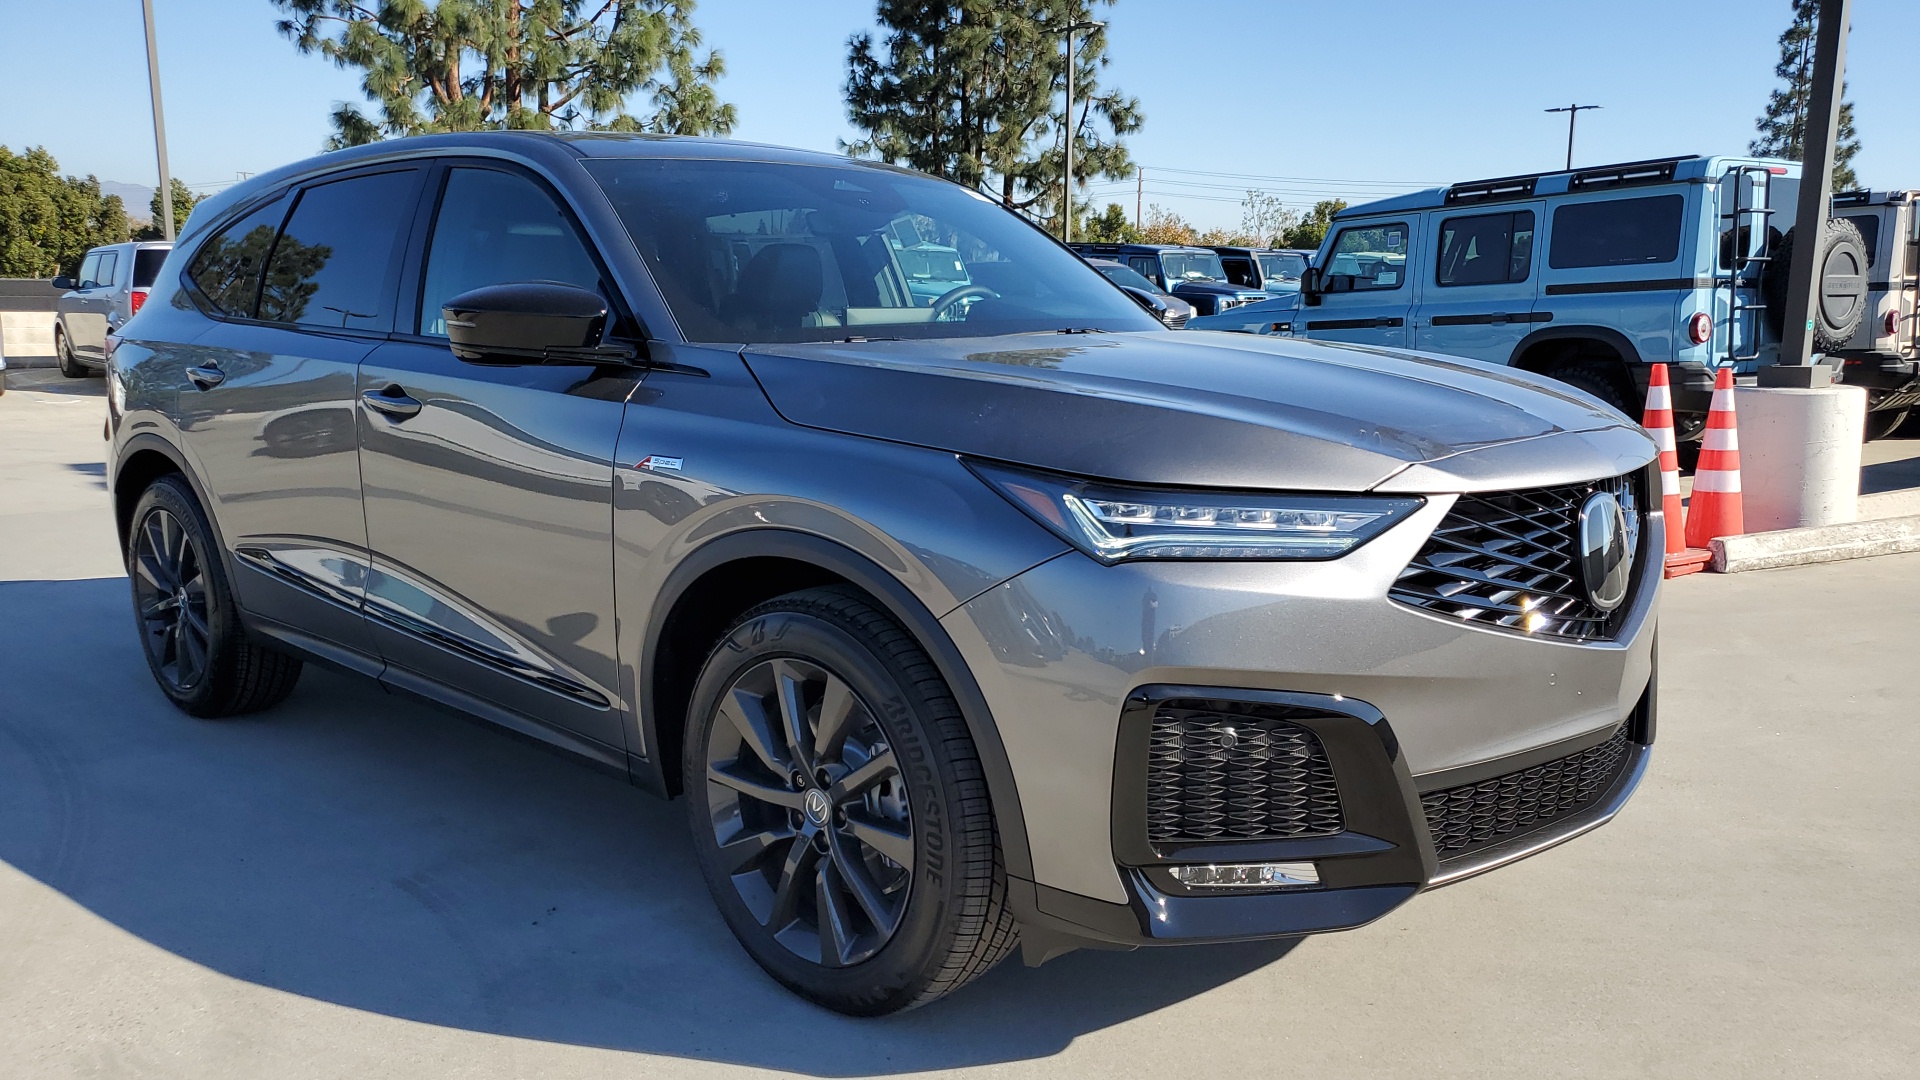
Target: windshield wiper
x=1079, y=330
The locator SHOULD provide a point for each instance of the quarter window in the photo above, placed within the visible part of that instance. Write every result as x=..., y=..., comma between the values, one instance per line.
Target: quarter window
x=1485, y=249
x=331, y=265
x=146, y=265
x=1618, y=232
x=109, y=263
x=495, y=227
x=226, y=269
x=1368, y=259
x=1869, y=226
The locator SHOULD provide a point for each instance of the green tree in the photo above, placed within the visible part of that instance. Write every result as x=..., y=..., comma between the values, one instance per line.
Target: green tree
x=48, y=221
x=468, y=65
x=1110, y=226
x=1163, y=226
x=183, y=201
x=1783, y=126
x=971, y=90
x=1312, y=229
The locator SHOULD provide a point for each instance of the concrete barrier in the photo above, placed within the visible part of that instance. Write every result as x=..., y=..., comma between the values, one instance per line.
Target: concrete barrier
x=1816, y=544
x=26, y=337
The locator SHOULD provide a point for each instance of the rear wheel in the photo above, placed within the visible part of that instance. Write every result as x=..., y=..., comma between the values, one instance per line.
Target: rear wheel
x=70, y=365
x=1600, y=379
x=838, y=808
x=189, y=628
x=1883, y=423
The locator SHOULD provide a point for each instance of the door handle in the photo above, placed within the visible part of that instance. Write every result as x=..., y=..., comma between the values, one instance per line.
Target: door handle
x=391, y=401
x=206, y=377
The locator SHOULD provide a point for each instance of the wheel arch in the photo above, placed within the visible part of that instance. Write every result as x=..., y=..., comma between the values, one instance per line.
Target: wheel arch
x=144, y=459
x=1557, y=346
x=710, y=588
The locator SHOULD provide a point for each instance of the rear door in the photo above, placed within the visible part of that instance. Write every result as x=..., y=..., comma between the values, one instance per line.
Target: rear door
x=489, y=487
x=1366, y=286
x=1479, y=299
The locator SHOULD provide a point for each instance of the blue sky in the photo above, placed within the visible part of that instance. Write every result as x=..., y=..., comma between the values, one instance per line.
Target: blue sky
x=1355, y=98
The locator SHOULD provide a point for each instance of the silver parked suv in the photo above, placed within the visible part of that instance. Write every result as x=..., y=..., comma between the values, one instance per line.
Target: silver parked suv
x=112, y=284
x=1009, y=619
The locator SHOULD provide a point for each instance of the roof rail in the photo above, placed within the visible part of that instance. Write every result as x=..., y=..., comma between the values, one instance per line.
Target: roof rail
x=1650, y=171
x=1504, y=187
x=1852, y=198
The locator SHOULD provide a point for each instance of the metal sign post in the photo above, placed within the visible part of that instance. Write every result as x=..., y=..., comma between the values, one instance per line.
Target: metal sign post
x=159, y=126
x=1795, y=366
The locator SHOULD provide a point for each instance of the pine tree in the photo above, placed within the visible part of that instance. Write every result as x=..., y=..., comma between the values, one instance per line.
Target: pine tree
x=1783, y=126
x=466, y=65
x=970, y=89
x=183, y=201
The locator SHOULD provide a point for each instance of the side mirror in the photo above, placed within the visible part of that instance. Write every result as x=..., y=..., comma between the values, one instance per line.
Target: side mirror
x=1310, y=285
x=1154, y=305
x=65, y=283
x=529, y=322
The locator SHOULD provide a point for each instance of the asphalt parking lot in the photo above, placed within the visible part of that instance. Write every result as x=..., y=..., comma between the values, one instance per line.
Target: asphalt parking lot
x=354, y=885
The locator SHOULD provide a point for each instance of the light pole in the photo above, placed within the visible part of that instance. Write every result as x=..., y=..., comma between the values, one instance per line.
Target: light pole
x=159, y=126
x=1573, y=113
x=1066, y=211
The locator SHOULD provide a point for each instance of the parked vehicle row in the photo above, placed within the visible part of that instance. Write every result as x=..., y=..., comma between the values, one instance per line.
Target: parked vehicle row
x=1010, y=619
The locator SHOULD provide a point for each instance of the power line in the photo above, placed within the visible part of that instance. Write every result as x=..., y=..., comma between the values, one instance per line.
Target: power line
x=1403, y=184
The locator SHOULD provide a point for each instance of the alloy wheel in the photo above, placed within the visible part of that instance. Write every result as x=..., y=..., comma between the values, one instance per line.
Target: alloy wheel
x=809, y=811
x=170, y=591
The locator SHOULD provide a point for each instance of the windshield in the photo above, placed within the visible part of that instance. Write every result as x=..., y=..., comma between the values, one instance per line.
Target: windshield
x=1129, y=277
x=1192, y=266
x=756, y=251
x=1281, y=267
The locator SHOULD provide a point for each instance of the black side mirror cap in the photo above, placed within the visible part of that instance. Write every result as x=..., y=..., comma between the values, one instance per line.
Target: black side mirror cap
x=1310, y=285
x=65, y=283
x=529, y=322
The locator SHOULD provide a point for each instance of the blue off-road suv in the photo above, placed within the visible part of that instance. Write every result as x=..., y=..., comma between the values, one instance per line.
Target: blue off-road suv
x=1587, y=275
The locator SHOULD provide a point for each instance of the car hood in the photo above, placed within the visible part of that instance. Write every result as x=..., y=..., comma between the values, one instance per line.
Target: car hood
x=1205, y=409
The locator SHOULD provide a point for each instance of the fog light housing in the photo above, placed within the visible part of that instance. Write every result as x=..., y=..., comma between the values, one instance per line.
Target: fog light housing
x=1269, y=875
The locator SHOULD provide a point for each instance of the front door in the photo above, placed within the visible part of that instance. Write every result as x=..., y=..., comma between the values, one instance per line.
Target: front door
x=1366, y=290
x=1479, y=301
x=88, y=310
x=489, y=488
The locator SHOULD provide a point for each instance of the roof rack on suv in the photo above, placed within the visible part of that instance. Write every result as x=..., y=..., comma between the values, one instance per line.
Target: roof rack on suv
x=1504, y=187
x=1650, y=171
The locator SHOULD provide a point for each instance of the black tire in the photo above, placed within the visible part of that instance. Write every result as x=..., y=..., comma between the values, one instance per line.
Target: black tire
x=910, y=928
x=1602, y=380
x=183, y=609
x=1883, y=423
x=70, y=365
x=1840, y=262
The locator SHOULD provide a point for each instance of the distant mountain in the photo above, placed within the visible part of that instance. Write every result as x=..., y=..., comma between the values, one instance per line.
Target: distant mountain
x=138, y=197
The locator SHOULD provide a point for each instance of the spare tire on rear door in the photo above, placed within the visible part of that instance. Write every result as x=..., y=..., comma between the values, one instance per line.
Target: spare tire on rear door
x=1840, y=266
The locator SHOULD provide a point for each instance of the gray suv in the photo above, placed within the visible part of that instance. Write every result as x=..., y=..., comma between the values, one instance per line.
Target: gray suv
x=1010, y=620
x=112, y=284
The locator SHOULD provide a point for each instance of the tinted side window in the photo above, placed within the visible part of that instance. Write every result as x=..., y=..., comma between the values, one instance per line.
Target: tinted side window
x=1869, y=226
x=1621, y=232
x=146, y=266
x=492, y=228
x=331, y=265
x=109, y=262
x=1367, y=259
x=226, y=269
x=1485, y=249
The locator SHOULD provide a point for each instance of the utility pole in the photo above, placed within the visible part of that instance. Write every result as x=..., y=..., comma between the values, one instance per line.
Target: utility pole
x=1066, y=209
x=1139, y=189
x=1816, y=188
x=1573, y=113
x=159, y=126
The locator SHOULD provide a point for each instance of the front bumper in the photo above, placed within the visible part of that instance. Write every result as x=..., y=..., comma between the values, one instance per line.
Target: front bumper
x=1066, y=652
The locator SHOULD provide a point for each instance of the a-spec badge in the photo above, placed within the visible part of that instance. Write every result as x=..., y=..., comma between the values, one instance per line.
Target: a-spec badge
x=658, y=463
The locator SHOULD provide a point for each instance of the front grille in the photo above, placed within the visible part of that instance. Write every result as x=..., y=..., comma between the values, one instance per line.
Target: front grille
x=1511, y=560
x=1472, y=816
x=1246, y=774
x=1177, y=319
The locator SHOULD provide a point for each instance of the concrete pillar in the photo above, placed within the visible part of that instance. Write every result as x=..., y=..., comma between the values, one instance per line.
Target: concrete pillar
x=1800, y=455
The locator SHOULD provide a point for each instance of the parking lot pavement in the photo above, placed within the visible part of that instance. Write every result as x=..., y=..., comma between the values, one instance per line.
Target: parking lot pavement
x=354, y=885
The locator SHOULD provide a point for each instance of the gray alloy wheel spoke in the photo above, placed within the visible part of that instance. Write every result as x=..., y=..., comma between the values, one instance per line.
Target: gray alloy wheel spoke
x=150, y=570
x=193, y=653
x=787, y=684
x=794, y=870
x=836, y=932
x=157, y=560
x=170, y=530
x=874, y=770
x=853, y=871
x=748, y=715
x=897, y=846
x=744, y=852
x=156, y=607
x=728, y=775
x=838, y=710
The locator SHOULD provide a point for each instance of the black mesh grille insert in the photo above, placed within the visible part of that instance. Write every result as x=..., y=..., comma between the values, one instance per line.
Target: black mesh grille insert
x=1475, y=815
x=1217, y=774
x=1511, y=560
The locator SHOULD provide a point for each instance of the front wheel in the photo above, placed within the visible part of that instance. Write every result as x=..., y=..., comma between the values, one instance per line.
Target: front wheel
x=1883, y=423
x=839, y=810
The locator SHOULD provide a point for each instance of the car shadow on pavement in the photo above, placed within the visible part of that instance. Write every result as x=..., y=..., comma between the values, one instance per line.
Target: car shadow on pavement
x=361, y=849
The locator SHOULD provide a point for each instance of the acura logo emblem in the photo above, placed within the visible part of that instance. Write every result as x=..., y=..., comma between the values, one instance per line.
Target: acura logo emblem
x=1606, y=550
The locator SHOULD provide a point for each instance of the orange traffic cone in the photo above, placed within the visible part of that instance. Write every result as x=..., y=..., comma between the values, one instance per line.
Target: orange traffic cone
x=1716, y=480
x=1680, y=559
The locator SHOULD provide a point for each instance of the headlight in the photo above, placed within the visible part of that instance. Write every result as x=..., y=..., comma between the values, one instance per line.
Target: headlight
x=1113, y=523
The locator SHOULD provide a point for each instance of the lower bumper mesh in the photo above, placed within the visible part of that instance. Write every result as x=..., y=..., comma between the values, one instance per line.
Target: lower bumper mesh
x=1470, y=817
